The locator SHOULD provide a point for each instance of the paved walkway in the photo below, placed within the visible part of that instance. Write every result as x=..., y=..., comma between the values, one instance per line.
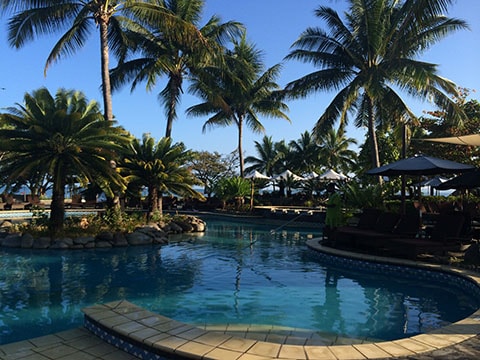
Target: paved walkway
x=80, y=344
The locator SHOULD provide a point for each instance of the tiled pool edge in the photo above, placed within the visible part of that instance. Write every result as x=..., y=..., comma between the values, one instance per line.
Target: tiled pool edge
x=152, y=336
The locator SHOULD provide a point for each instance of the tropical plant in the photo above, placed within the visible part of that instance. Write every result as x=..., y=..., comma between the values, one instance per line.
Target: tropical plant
x=33, y=18
x=370, y=56
x=334, y=151
x=268, y=157
x=305, y=153
x=357, y=197
x=161, y=168
x=237, y=93
x=161, y=54
x=232, y=188
x=62, y=137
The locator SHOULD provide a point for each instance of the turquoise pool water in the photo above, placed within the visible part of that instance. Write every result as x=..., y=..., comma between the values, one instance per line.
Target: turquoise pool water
x=235, y=273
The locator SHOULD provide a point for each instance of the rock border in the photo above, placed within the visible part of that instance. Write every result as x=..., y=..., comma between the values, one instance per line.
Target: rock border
x=150, y=234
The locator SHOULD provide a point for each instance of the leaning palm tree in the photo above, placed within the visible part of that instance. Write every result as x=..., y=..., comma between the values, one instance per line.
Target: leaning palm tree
x=161, y=168
x=64, y=137
x=237, y=93
x=33, y=18
x=370, y=56
x=161, y=54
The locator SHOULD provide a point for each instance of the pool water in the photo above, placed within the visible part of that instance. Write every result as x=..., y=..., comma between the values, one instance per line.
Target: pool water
x=235, y=273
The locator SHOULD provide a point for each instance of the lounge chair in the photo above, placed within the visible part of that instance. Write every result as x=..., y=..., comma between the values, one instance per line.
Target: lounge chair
x=344, y=235
x=448, y=234
x=389, y=226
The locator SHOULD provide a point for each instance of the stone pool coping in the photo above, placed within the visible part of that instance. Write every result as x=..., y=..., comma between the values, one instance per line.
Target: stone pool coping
x=153, y=336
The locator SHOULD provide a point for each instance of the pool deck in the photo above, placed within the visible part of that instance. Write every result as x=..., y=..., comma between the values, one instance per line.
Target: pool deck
x=121, y=330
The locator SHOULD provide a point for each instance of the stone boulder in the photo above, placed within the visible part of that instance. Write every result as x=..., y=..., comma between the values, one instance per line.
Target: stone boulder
x=42, y=242
x=138, y=238
x=153, y=233
x=27, y=241
x=83, y=240
x=119, y=239
x=12, y=241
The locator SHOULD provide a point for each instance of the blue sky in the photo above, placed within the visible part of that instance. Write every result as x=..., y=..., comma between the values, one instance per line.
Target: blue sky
x=273, y=25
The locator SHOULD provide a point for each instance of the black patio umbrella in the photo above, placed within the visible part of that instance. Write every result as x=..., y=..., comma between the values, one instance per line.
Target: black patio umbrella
x=469, y=180
x=421, y=165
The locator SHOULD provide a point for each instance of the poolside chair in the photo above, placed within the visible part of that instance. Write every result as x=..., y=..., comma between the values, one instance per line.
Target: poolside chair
x=449, y=233
x=389, y=226
x=372, y=228
x=344, y=235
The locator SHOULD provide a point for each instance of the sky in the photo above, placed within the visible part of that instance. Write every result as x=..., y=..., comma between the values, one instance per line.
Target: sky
x=273, y=25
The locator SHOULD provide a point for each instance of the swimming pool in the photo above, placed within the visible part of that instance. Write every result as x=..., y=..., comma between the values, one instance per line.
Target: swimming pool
x=235, y=273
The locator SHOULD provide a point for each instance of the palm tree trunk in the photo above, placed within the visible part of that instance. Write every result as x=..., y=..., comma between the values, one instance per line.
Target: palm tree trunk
x=373, y=137
x=240, y=148
x=106, y=87
x=57, y=206
x=175, y=90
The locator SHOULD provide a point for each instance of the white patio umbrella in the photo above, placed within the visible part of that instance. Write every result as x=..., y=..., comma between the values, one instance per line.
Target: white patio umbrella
x=254, y=175
x=310, y=175
x=287, y=174
x=332, y=175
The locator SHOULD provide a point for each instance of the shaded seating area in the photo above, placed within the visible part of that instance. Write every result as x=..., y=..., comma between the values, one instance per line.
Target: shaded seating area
x=375, y=228
x=390, y=234
x=450, y=232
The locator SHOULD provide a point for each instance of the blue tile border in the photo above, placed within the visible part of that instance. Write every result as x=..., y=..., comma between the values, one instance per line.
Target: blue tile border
x=417, y=271
x=124, y=343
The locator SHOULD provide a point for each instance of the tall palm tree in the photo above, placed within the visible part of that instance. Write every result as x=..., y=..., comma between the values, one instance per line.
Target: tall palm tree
x=161, y=168
x=163, y=55
x=33, y=18
x=334, y=151
x=64, y=136
x=237, y=93
x=370, y=56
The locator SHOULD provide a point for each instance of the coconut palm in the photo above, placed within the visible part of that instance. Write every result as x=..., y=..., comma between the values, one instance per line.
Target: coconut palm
x=237, y=93
x=33, y=18
x=268, y=157
x=161, y=168
x=305, y=152
x=63, y=136
x=334, y=151
x=370, y=56
x=163, y=55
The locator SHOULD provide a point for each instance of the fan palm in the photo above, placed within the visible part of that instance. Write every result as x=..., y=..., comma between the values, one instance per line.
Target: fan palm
x=63, y=137
x=33, y=18
x=237, y=93
x=161, y=168
x=370, y=56
x=164, y=55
